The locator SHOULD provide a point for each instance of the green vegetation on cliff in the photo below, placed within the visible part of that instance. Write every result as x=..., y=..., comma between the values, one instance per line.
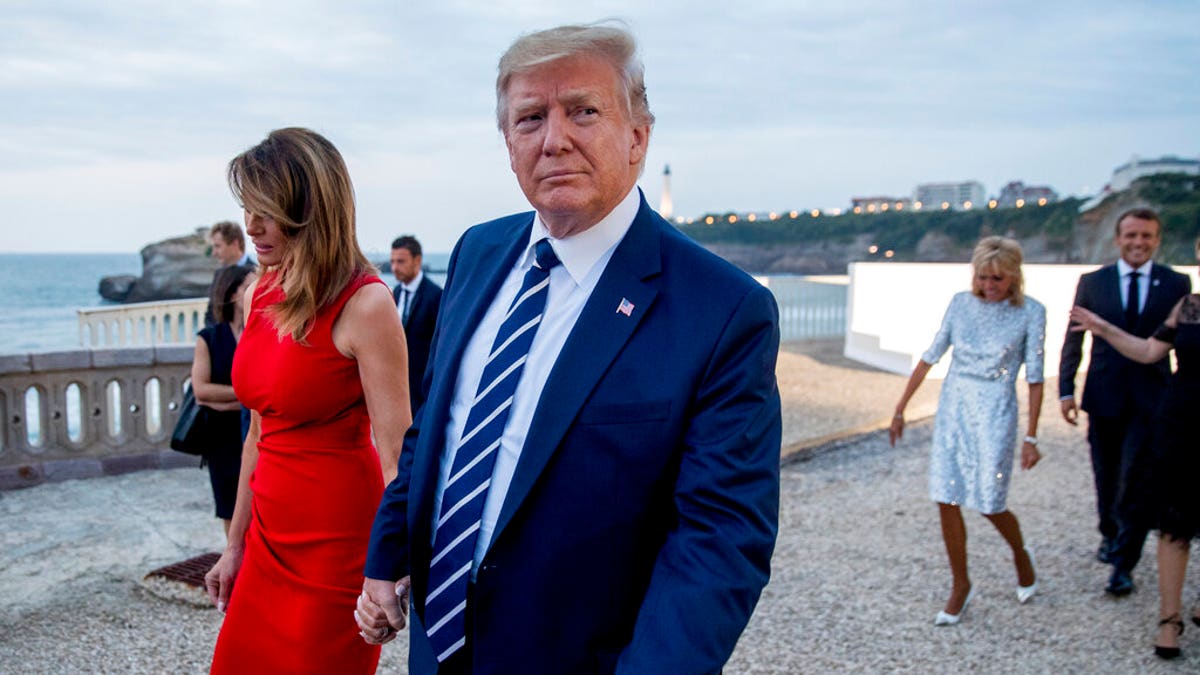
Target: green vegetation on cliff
x=1176, y=196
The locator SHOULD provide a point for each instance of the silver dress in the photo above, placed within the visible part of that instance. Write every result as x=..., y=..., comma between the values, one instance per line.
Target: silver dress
x=975, y=430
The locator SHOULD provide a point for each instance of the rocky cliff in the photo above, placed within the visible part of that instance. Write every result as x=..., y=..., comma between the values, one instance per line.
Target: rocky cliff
x=1054, y=234
x=174, y=268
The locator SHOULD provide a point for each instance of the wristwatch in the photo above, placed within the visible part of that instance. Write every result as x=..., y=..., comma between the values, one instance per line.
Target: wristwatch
x=1032, y=440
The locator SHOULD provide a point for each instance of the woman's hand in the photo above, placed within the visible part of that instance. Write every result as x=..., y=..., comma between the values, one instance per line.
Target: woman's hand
x=897, y=429
x=1029, y=455
x=219, y=580
x=1085, y=319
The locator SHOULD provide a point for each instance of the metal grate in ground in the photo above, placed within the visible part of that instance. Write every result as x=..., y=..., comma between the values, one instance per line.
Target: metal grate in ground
x=190, y=571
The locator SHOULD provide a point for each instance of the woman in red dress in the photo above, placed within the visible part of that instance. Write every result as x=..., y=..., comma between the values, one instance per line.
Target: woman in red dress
x=321, y=364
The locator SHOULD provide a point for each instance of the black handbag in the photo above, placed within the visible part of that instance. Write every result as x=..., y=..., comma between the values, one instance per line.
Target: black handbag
x=190, y=434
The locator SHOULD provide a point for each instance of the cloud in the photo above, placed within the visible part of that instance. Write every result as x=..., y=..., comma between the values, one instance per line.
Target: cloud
x=135, y=107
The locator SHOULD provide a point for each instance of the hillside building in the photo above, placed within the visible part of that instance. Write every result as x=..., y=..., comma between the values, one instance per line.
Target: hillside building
x=957, y=196
x=1017, y=193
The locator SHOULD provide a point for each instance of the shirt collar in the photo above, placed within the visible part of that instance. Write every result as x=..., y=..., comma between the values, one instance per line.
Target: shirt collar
x=1125, y=268
x=580, y=252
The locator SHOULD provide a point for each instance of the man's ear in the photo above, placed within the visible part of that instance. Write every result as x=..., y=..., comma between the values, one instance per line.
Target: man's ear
x=639, y=142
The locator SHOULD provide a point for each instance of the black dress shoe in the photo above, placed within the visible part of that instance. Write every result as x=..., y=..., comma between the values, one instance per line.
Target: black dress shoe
x=1104, y=553
x=1119, y=584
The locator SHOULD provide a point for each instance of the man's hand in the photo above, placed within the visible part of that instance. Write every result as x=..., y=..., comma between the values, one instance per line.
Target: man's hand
x=1069, y=412
x=382, y=610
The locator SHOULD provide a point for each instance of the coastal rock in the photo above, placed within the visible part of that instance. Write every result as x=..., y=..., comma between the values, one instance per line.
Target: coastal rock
x=173, y=268
x=116, y=288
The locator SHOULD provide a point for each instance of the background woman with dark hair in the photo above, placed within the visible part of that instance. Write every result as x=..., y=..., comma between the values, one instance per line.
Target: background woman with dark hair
x=993, y=329
x=212, y=367
x=322, y=365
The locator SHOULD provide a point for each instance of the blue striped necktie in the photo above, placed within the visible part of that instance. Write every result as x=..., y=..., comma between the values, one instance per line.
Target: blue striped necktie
x=466, y=489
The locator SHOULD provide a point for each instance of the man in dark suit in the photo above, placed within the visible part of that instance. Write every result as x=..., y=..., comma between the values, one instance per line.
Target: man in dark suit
x=417, y=300
x=629, y=512
x=1119, y=395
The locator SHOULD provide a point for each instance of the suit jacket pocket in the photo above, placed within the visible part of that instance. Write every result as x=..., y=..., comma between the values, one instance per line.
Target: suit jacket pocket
x=631, y=412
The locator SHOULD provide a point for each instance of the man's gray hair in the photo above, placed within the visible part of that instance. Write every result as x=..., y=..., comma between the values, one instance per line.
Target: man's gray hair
x=613, y=43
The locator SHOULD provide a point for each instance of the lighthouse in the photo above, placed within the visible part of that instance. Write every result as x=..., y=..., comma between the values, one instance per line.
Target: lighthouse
x=665, y=207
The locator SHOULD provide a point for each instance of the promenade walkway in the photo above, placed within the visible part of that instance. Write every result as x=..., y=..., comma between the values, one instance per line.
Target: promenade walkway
x=859, y=571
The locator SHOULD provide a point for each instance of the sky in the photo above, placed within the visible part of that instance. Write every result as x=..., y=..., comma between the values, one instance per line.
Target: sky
x=117, y=119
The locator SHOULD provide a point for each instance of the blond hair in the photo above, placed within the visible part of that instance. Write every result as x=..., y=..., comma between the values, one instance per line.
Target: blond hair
x=614, y=44
x=298, y=178
x=1002, y=254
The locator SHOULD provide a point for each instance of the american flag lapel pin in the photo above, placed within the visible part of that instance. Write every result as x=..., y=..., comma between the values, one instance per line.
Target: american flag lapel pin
x=626, y=307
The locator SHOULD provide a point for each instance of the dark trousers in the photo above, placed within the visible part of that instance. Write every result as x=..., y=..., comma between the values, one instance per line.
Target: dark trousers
x=1120, y=447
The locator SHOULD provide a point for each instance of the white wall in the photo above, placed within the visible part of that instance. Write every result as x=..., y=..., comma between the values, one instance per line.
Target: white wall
x=894, y=309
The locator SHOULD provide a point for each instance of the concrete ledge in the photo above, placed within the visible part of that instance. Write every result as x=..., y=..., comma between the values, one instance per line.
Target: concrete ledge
x=109, y=358
x=174, y=353
x=15, y=364
x=79, y=359
x=58, y=470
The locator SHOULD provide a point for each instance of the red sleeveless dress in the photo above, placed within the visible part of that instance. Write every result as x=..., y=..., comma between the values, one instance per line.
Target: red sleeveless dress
x=315, y=490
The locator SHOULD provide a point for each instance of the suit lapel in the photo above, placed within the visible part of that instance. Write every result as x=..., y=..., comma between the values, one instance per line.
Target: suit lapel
x=594, y=343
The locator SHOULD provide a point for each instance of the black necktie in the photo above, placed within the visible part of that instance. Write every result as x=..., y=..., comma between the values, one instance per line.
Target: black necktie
x=404, y=308
x=1131, y=302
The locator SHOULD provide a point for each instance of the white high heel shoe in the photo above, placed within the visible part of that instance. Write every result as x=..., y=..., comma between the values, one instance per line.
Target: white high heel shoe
x=1024, y=593
x=944, y=619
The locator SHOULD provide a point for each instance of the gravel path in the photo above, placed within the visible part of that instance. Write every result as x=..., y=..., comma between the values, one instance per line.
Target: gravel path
x=859, y=571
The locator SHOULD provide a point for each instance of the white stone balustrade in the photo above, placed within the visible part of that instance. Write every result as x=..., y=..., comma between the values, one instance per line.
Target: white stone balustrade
x=89, y=412
x=168, y=322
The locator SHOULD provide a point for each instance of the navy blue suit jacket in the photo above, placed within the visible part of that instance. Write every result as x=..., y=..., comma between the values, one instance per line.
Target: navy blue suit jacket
x=637, y=532
x=1114, y=383
x=418, y=333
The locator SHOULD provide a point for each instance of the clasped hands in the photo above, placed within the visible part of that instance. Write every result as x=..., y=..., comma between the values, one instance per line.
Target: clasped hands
x=382, y=610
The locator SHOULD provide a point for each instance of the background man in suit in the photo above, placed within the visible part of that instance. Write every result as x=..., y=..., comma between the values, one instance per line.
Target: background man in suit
x=1119, y=395
x=228, y=247
x=628, y=513
x=417, y=300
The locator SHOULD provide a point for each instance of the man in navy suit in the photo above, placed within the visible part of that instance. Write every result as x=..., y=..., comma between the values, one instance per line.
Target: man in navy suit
x=1119, y=395
x=631, y=513
x=417, y=299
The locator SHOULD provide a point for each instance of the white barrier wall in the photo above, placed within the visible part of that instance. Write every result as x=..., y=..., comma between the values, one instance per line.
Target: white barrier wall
x=895, y=309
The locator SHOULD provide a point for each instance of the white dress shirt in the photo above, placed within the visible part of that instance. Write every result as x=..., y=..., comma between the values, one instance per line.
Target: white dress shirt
x=584, y=257
x=1123, y=270
x=408, y=291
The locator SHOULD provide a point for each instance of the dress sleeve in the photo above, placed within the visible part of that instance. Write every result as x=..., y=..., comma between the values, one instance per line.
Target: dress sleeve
x=1035, y=343
x=941, y=341
x=1165, y=334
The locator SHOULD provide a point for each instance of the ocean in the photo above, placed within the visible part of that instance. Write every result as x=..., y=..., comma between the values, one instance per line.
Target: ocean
x=39, y=293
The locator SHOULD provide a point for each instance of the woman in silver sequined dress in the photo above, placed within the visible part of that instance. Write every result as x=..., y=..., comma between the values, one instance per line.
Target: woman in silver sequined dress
x=993, y=329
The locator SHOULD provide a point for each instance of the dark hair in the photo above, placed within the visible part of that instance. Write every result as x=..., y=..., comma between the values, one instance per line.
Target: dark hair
x=409, y=242
x=224, y=286
x=230, y=232
x=1141, y=213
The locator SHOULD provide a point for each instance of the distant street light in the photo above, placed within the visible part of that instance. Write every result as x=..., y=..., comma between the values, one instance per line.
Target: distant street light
x=872, y=249
x=889, y=253
x=1020, y=203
